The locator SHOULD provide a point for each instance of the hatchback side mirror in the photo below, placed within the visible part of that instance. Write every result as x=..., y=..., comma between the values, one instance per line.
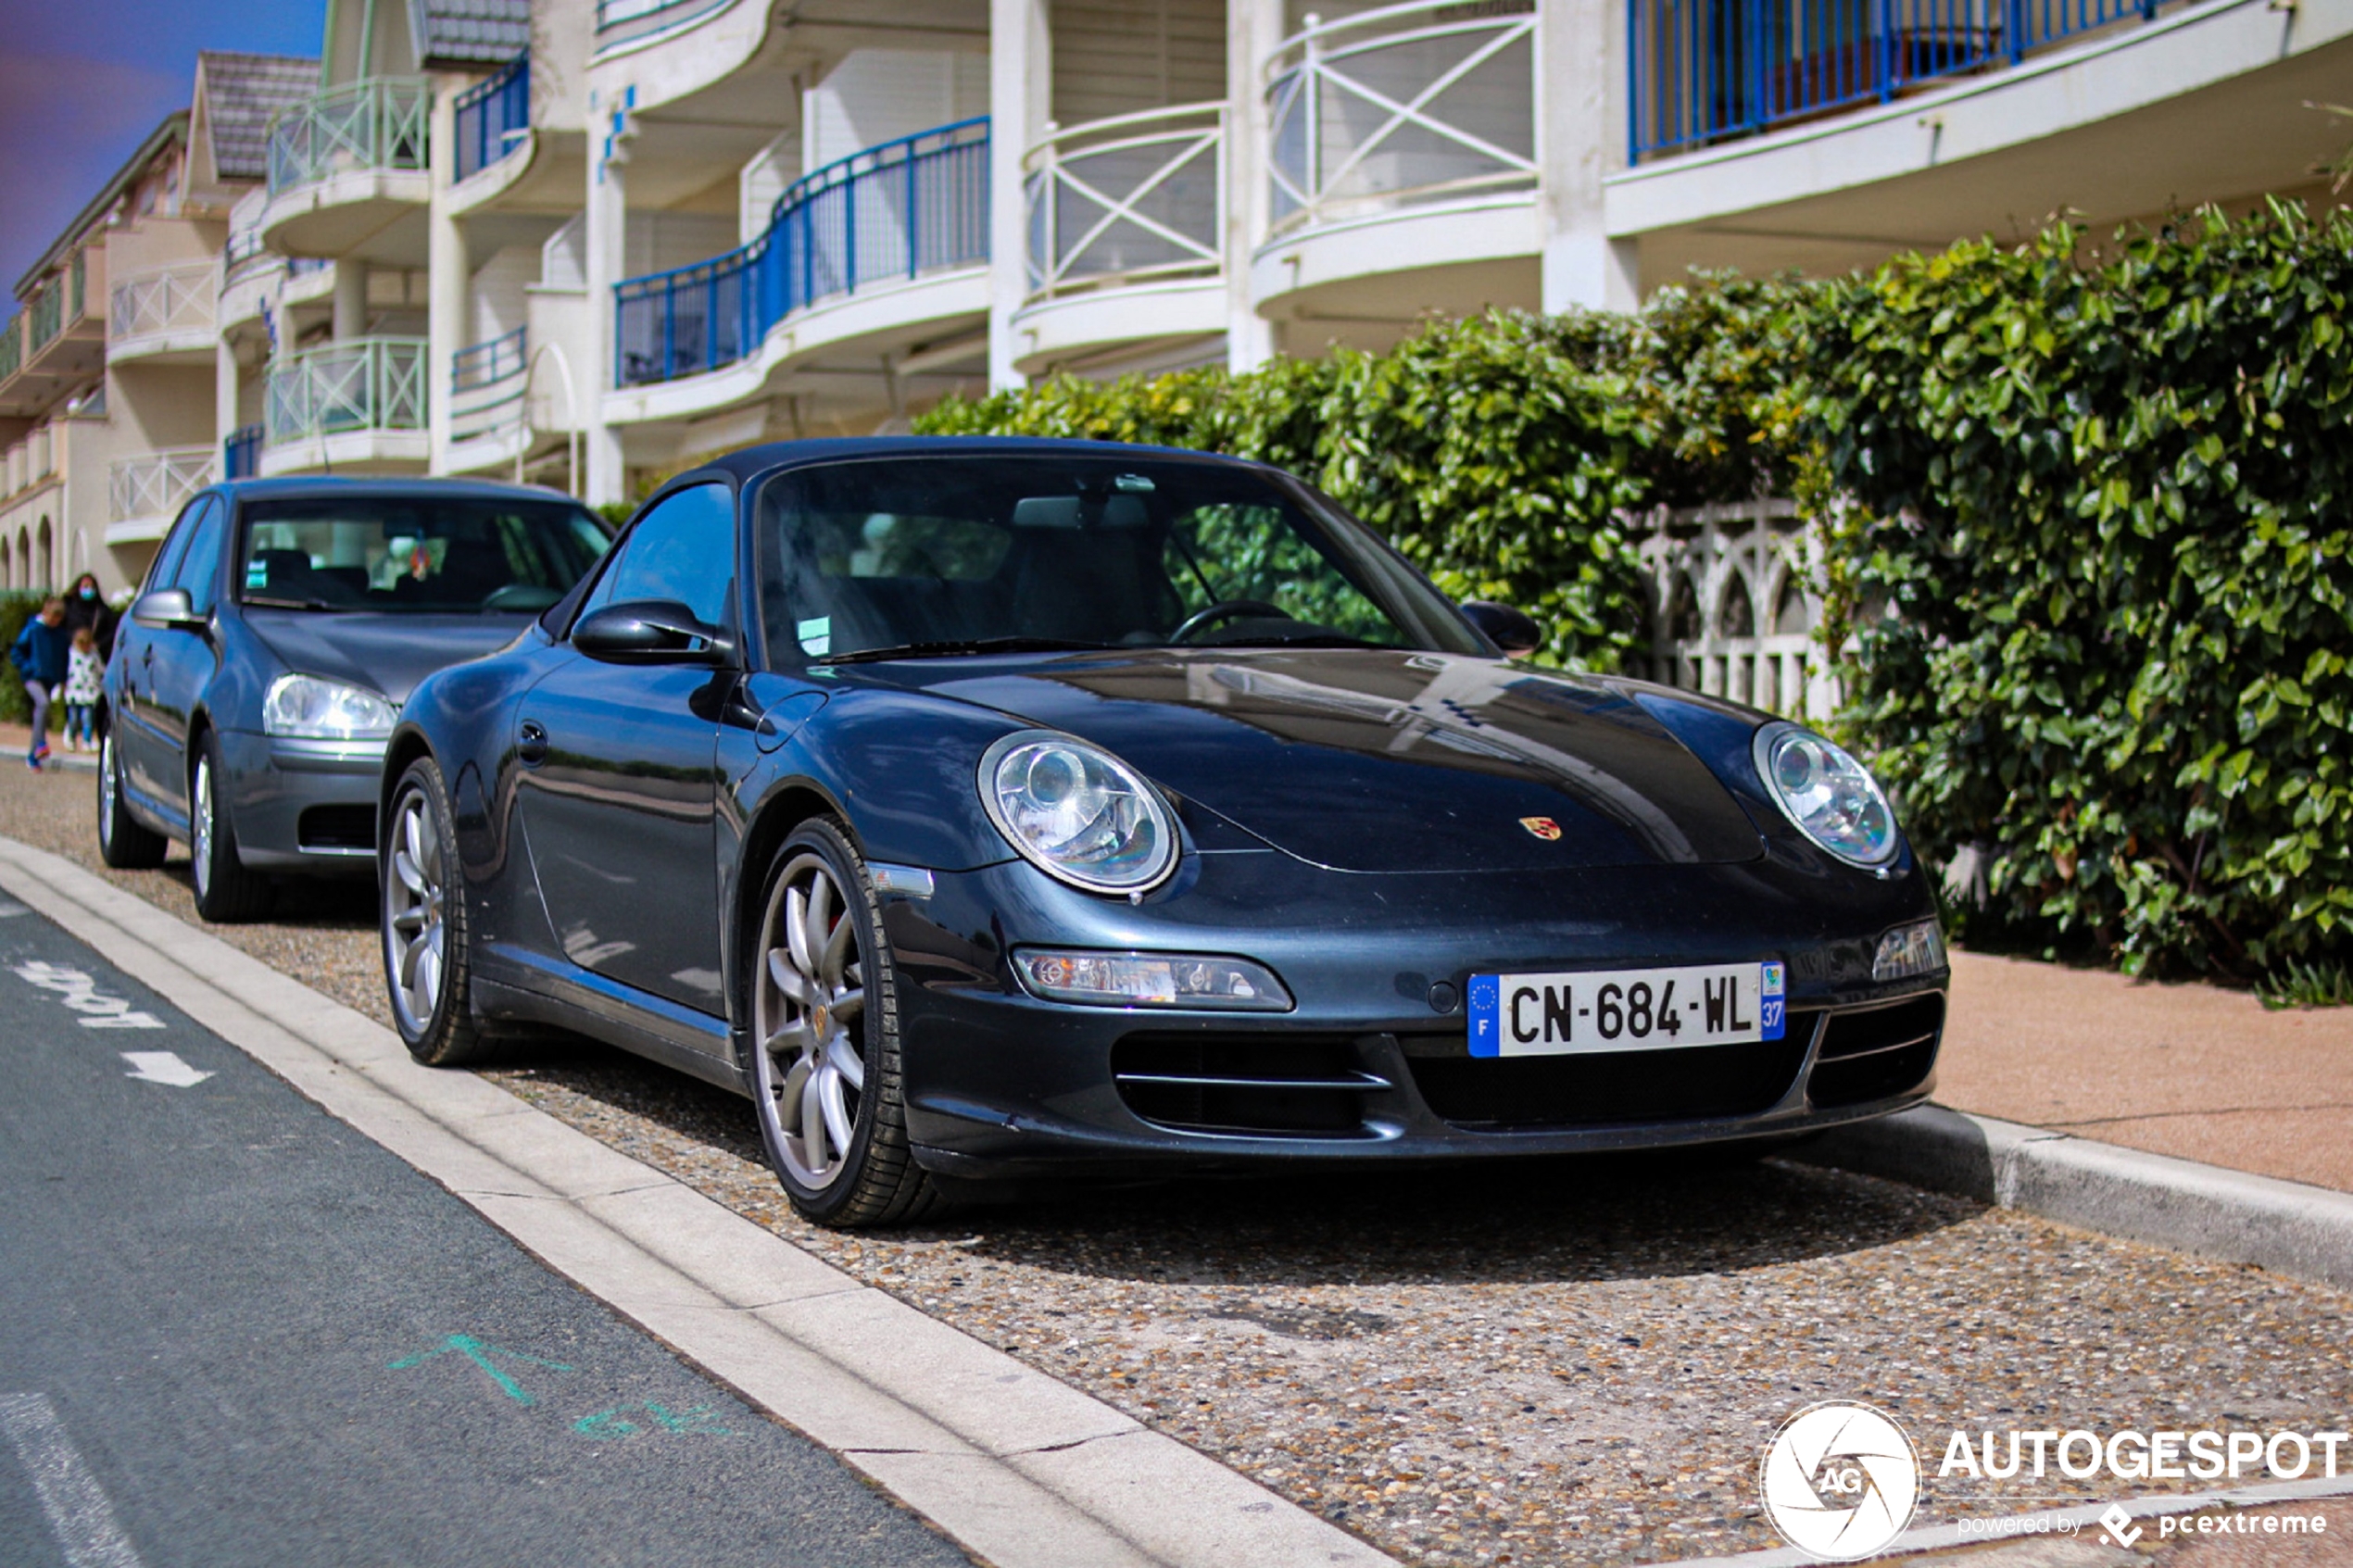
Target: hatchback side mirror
x=167, y=609
x=651, y=632
x=1507, y=628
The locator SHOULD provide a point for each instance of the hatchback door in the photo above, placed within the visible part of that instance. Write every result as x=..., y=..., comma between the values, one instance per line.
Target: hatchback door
x=172, y=667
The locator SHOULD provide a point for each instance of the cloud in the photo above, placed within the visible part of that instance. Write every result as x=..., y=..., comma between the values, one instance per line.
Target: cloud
x=67, y=122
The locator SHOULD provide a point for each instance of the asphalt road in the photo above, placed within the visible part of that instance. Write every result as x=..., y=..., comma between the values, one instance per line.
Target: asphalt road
x=239, y=1332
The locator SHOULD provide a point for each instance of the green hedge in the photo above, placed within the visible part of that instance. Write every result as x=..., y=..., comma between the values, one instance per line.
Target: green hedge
x=2104, y=499
x=2109, y=504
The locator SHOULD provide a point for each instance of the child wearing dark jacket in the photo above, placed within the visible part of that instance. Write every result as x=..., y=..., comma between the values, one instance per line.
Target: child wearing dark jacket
x=39, y=655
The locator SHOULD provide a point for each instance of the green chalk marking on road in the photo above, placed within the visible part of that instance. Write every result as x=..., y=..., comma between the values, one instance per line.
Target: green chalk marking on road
x=480, y=1353
x=700, y=1421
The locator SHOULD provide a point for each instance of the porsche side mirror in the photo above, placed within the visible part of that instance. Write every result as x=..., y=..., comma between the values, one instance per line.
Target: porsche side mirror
x=651, y=632
x=1508, y=629
x=168, y=610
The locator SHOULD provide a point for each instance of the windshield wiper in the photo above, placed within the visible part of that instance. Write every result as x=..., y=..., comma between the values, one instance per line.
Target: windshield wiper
x=270, y=603
x=950, y=650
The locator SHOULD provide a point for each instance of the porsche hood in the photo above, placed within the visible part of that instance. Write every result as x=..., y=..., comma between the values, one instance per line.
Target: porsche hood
x=1374, y=761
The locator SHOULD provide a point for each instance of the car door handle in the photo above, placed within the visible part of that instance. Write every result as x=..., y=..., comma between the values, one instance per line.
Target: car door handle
x=531, y=742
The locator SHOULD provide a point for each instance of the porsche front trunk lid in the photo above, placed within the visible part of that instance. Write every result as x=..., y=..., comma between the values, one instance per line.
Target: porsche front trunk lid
x=1369, y=760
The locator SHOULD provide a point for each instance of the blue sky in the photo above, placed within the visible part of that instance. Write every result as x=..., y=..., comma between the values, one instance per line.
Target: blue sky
x=83, y=82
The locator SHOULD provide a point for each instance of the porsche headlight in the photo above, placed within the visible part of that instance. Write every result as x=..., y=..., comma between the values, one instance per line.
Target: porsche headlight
x=1076, y=812
x=306, y=707
x=1831, y=798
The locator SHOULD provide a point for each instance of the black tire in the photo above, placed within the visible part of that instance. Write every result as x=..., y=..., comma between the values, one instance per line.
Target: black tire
x=428, y=959
x=226, y=890
x=795, y=1042
x=123, y=842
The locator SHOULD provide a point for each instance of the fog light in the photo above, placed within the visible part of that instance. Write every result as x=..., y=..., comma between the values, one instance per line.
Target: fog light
x=1908, y=951
x=1152, y=980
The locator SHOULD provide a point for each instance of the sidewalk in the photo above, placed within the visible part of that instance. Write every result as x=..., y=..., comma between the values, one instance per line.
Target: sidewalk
x=15, y=738
x=2193, y=1070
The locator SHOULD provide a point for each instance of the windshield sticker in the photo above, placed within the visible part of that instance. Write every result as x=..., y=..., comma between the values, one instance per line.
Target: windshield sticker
x=816, y=636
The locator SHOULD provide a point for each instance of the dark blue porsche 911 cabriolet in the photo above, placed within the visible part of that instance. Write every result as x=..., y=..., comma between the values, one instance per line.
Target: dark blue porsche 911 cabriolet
x=988, y=808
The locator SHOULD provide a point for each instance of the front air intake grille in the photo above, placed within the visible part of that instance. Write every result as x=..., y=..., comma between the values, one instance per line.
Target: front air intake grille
x=1600, y=1088
x=1252, y=1086
x=337, y=827
x=1877, y=1052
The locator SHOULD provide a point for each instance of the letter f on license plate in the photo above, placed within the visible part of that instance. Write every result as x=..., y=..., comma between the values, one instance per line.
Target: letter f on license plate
x=1625, y=1009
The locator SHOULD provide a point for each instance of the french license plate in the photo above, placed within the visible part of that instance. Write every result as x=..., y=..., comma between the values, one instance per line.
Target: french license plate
x=1625, y=1009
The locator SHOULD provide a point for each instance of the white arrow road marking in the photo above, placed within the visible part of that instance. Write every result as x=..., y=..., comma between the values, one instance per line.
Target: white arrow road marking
x=80, y=992
x=163, y=1067
x=78, y=1513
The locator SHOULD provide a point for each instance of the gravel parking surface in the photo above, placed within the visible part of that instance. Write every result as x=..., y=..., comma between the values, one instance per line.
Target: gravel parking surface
x=1553, y=1363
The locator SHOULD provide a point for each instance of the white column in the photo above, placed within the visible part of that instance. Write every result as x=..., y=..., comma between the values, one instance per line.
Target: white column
x=608, y=219
x=446, y=278
x=350, y=298
x=1581, y=137
x=1253, y=29
x=1021, y=91
x=225, y=395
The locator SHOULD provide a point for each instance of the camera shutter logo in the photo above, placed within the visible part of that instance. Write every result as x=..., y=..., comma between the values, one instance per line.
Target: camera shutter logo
x=1841, y=1481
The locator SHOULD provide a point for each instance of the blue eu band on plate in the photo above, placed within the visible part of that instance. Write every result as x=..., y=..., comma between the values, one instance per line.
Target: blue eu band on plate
x=1625, y=1009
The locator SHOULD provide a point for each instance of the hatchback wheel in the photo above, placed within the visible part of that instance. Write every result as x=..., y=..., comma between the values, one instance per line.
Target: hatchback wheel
x=825, y=1067
x=226, y=890
x=123, y=842
x=428, y=965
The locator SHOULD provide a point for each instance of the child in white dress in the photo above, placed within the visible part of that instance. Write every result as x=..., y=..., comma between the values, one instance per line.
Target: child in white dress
x=85, y=672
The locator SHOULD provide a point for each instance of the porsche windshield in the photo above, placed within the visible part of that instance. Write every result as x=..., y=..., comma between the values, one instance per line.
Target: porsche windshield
x=444, y=555
x=935, y=555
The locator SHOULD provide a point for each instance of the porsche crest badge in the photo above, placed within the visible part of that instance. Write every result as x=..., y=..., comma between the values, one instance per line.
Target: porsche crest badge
x=1542, y=827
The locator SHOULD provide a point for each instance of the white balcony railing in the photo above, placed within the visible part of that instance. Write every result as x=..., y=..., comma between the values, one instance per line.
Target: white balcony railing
x=170, y=299
x=156, y=484
x=1402, y=105
x=379, y=123
x=1133, y=199
x=369, y=384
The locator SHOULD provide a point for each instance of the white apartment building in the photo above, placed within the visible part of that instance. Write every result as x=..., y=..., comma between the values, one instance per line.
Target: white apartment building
x=587, y=241
x=107, y=417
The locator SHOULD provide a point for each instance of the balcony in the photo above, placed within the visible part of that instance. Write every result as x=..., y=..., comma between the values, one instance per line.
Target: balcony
x=355, y=404
x=346, y=169
x=1703, y=74
x=1124, y=216
x=493, y=118
x=58, y=342
x=887, y=217
x=164, y=315
x=146, y=492
x=486, y=386
x=1416, y=120
x=622, y=22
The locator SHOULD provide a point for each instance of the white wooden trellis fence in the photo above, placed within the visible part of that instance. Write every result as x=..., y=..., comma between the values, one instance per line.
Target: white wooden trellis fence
x=1735, y=597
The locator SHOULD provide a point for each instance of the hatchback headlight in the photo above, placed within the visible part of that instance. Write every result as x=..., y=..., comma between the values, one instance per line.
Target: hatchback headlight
x=1076, y=812
x=1831, y=798
x=306, y=708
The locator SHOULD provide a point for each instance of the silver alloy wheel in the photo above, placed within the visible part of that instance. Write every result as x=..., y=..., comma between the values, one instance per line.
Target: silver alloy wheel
x=107, y=789
x=413, y=931
x=200, y=828
x=808, y=1012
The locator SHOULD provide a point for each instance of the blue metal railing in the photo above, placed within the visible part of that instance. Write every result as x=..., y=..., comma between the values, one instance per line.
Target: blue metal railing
x=240, y=454
x=893, y=211
x=1707, y=70
x=493, y=116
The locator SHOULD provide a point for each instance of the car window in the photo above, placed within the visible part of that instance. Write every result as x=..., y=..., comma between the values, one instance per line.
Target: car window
x=683, y=550
x=199, y=570
x=935, y=552
x=175, y=545
x=429, y=554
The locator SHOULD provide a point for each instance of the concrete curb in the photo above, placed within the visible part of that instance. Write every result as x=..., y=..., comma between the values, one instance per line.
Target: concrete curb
x=1020, y=1469
x=2205, y=1211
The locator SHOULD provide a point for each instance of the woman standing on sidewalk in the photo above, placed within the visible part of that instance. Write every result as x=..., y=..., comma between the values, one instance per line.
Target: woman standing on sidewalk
x=40, y=658
x=85, y=606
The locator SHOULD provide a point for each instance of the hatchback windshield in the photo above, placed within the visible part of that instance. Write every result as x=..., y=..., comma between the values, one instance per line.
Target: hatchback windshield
x=440, y=553
x=939, y=555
